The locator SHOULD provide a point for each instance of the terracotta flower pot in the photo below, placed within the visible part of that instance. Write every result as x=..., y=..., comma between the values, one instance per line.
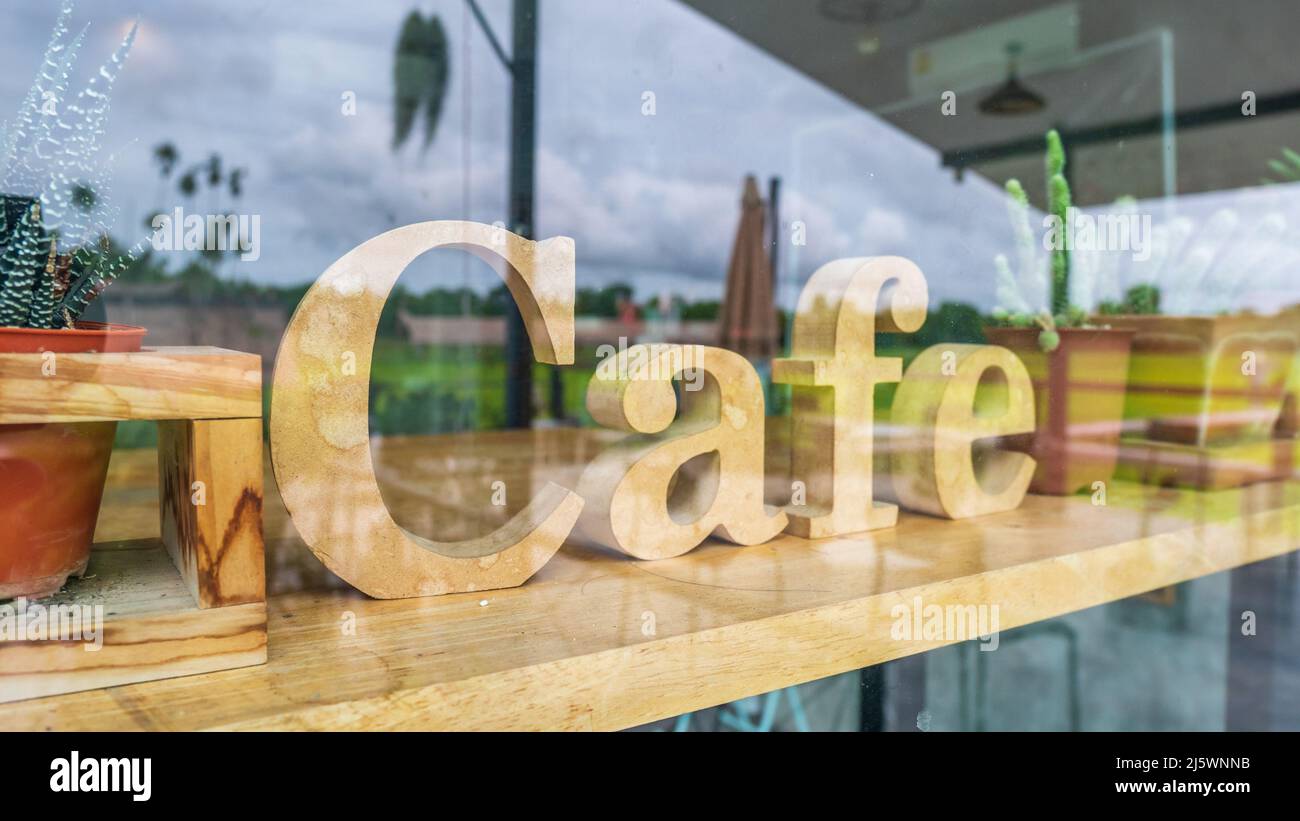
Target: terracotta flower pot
x=52, y=475
x=1078, y=401
x=1207, y=380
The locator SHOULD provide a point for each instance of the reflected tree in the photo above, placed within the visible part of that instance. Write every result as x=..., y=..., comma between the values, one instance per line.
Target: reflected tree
x=420, y=72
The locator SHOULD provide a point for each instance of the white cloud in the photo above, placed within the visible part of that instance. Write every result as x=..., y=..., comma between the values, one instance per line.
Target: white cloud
x=884, y=230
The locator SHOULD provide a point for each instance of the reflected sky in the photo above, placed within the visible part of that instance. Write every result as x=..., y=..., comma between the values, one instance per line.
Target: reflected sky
x=650, y=200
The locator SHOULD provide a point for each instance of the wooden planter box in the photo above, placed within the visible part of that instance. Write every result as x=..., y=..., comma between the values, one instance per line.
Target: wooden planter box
x=195, y=600
x=1186, y=382
x=1206, y=398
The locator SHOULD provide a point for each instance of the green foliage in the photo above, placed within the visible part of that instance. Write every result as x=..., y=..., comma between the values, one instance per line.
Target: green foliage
x=1072, y=317
x=1049, y=337
x=598, y=302
x=498, y=301
x=603, y=302
x=1140, y=299
x=1287, y=169
x=424, y=410
x=951, y=322
x=707, y=310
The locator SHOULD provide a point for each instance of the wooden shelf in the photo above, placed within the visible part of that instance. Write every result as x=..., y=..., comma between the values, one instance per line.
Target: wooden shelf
x=570, y=650
x=163, y=383
x=152, y=628
x=184, y=594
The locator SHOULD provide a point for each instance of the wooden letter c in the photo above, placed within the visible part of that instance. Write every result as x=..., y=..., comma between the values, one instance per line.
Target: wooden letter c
x=320, y=437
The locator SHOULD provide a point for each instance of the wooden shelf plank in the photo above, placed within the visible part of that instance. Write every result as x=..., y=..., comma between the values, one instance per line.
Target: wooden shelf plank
x=571, y=648
x=152, y=628
x=153, y=384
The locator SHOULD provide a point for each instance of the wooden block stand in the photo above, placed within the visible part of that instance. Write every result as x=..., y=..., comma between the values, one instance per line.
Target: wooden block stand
x=193, y=601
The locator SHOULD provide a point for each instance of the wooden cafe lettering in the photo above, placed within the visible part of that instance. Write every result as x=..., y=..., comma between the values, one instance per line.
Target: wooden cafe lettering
x=320, y=429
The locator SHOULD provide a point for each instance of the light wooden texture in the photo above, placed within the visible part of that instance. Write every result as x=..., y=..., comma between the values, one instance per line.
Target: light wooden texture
x=935, y=470
x=569, y=650
x=211, y=486
x=163, y=383
x=152, y=629
x=681, y=475
x=207, y=611
x=320, y=438
x=834, y=372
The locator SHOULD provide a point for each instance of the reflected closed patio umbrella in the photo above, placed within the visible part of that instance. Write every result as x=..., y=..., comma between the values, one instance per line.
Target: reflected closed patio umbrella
x=748, y=323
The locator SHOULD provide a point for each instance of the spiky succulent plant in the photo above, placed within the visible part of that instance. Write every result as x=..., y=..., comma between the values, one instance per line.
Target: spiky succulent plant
x=1026, y=298
x=54, y=206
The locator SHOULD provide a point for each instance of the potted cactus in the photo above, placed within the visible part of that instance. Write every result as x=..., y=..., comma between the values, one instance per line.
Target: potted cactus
x=55, y=259
x=1078, y=366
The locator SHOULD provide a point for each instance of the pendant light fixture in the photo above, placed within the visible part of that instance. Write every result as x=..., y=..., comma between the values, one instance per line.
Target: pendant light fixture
x=1012, y=97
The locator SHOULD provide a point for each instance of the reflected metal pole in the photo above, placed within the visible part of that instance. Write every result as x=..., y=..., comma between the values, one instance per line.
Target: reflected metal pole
x=522, y=67
x=523, y=148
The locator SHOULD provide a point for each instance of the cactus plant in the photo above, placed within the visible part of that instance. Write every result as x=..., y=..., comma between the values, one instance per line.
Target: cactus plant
x=1019, y=292
x=55, y=257
x=1058, y=203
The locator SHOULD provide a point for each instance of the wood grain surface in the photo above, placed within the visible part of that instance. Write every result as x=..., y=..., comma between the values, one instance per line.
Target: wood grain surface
x=597, y=640
x=211, y=473
x=166, y=383
x=208, y=405
x=320, y=437
x=833, y=372
x=152, y=628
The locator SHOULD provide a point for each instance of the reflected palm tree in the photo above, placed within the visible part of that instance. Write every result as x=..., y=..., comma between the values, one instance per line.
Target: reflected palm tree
x=420, y=72
x=165, y=156
x=188, y=184
x=215, y=177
